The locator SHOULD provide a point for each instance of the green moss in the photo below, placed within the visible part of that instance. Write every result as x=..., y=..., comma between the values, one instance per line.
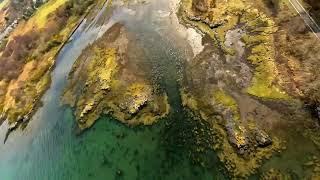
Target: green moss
x=258, y=39
x=106, y=88
x=222, y=98
x=264, y=75
x=262, y=88
x=222, y=30
x=262, y=54
x=261, y=43
x=105, y=59
x=251, y=40
x=239, y=166
x=263, y=81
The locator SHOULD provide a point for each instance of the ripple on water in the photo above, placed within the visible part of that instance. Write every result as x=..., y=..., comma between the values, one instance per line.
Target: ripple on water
x=49, y=149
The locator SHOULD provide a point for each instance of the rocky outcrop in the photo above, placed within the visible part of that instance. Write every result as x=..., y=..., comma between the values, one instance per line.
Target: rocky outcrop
x=113, y=81
x=253, y=75
x=262, y=138
x=222, y=82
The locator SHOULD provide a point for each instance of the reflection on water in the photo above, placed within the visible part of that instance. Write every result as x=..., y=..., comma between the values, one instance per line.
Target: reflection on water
x=49, y=149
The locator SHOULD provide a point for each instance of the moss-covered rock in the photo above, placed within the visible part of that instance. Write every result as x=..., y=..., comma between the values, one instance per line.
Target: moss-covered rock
x=240, y=145
x=236, y=65
x=258, y=38
x=108, y=79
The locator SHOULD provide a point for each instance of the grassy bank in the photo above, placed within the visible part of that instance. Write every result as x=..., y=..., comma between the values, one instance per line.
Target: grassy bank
x=29, y=55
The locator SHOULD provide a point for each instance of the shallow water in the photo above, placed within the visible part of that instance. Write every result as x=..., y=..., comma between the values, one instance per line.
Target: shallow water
x=50, y=149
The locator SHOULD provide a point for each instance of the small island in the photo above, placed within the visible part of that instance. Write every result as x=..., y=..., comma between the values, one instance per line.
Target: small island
x=111, y=77
x=234, y=82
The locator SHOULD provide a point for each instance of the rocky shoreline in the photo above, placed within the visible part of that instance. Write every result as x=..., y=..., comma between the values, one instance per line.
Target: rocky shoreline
x=23, y=94
x=239, y=66
x=233, y=83
x=112, y=75
x=250, y=85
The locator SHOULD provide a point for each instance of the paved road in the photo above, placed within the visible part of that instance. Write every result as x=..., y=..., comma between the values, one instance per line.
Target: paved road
x=315, y=28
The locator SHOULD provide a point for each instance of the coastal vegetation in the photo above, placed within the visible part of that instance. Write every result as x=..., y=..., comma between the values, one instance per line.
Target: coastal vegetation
x=245, y=66
x=251, y=89
x=29, y=55
x=230, y=89
x=110, y=77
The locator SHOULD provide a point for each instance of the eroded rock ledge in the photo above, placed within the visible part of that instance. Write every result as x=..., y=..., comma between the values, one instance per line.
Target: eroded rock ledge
x=110, y=77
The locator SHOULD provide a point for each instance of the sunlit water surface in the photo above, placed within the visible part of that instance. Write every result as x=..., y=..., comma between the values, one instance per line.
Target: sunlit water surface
x=49, y=148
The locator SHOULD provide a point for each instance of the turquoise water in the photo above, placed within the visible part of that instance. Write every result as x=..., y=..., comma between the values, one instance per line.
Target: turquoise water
x=50, y=149
x=109, y=150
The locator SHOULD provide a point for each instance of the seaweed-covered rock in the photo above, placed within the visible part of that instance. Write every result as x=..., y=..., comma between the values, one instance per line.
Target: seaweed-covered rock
x=262, y=138
x=238, y=139
x=114, y=81
x=236, y=65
